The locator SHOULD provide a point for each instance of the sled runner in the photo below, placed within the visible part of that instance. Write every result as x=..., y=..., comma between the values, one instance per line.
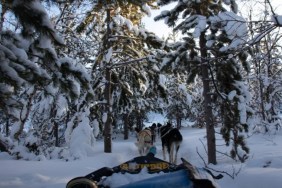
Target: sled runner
x=161, y=174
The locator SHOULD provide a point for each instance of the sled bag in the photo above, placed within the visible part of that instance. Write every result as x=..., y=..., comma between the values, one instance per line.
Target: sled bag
x=177, y=179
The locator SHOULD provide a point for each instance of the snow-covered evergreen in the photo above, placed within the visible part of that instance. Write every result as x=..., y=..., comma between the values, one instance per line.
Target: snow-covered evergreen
x=54, y=81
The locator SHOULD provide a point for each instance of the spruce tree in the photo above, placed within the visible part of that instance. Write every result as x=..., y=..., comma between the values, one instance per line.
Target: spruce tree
x=121, y=71
x=31, y=65
x=209, y=49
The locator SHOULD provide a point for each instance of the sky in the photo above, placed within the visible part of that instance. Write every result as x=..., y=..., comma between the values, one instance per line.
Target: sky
x=263, y=169
x=159, y=27
x=162, y=30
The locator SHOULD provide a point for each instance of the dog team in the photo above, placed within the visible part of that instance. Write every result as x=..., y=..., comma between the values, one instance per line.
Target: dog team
x=171, y=139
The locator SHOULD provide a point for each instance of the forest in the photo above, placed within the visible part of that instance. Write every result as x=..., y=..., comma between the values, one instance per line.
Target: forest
x=91, y=68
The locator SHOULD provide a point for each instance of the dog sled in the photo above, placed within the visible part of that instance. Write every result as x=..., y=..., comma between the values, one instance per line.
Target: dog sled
x=147, y=172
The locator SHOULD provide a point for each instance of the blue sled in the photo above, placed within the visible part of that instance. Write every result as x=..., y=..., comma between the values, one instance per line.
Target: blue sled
x=184, y=175
x=176, y=179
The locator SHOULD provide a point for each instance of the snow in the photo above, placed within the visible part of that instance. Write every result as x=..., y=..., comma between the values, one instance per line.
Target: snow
x=117, y=179
x=147, y=9
x=128, y=24
x=162, y=81
x=81, y=146
x=201, y=26
x=262, y=170
x=235, y=28
x=109, y=55
x=231, y=95
x=155, y=118
x=10, y=72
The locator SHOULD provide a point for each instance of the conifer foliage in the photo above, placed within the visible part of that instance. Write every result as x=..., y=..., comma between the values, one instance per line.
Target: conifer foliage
x=30, y=66
x=211, y=47
x=122, y=61
x=72, y=72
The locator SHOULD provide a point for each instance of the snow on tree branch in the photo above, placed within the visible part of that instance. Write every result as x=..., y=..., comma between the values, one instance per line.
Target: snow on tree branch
x=234, y=26
x=277, y=19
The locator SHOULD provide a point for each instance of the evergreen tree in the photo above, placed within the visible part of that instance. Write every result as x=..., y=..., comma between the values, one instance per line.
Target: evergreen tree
x=120, y=71
x=30, y=64
x=211, y=48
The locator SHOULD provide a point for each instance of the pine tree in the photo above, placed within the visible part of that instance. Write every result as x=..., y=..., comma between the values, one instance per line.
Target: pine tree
x=120, y=71
x=206, y=50
x=30, y=64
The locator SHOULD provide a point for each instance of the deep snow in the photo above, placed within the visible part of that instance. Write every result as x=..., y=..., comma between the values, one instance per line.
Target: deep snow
x=262, y=170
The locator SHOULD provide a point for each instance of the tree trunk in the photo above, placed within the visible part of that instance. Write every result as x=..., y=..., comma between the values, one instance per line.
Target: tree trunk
x=56, y=134
x=207, y=102
x=7, y=127
x=3, y=147
x=139, y=121
x=178, y=121
x=126, y=126
x=262, y=99
x=108, y=96
x=108, y=124
x=4, y=9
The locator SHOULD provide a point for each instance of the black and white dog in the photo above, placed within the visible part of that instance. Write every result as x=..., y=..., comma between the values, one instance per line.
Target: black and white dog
x=171, y=139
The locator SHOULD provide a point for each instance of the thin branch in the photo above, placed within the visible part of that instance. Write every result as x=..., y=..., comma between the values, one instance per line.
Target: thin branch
x=273, y=13
x=207, y=168
x=128, y=62
x=225, y=154
x=204, y=146
x=214, y=84
x=262, y=34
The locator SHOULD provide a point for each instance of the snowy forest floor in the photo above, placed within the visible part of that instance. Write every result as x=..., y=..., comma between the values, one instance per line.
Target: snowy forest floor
x=263, y=169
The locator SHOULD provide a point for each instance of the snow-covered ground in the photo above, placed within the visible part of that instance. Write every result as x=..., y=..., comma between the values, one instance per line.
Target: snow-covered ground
x=262, y=170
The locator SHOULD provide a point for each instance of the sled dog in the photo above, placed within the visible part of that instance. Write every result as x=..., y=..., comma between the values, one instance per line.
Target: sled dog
x=171, y=139
x=144, y=141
